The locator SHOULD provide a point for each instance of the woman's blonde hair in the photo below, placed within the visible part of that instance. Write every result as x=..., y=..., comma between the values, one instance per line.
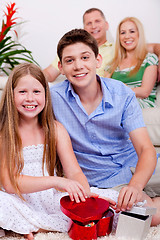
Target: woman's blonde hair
x=11, y=144
x=120, y=52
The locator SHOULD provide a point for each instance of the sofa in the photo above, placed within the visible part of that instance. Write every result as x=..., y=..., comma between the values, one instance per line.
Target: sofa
x=151, y=115
x=152, y=120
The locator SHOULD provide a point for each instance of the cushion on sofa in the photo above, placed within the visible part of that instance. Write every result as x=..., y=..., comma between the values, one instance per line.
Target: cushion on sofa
x=152, y=120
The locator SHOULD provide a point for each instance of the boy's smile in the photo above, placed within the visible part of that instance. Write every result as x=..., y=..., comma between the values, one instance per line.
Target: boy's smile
x=79, y=64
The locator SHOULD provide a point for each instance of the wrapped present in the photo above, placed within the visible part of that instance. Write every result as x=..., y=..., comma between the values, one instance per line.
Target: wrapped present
x=134, y=224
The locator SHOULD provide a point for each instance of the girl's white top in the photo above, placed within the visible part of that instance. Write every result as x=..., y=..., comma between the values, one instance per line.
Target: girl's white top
x=41, y=210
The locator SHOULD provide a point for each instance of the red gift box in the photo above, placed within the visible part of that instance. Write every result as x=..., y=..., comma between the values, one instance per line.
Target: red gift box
x=104, y=225
x=90, y=219
x=80, y=232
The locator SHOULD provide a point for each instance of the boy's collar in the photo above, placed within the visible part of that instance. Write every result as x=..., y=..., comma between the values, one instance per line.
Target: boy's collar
x=107, y=97
x=70, y=90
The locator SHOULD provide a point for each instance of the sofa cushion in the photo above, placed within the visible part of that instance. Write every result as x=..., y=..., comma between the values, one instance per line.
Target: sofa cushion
x=152, y=120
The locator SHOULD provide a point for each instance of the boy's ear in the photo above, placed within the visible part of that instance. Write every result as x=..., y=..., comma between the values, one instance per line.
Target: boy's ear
x=60, y=68
x=99, y=61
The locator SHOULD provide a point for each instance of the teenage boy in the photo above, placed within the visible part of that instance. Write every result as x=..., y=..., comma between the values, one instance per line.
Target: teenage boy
x=95, y=23
x=104, y=121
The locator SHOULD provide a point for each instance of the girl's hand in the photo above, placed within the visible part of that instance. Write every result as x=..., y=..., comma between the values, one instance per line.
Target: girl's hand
x=91, y=194
x=75, y=189
x=112, y=203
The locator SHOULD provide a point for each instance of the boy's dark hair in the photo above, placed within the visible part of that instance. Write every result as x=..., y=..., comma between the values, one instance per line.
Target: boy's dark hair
x=93, y=10
x=76, y=36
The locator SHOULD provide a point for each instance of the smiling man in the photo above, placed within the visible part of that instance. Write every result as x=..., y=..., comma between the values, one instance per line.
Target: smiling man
x=95, y=23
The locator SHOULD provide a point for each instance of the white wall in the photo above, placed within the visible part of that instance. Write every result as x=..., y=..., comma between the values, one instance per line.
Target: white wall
x=48, y=20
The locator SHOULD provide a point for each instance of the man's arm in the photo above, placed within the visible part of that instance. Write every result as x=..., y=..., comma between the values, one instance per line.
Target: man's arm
x=146, y=164
x=51, y=73
x=155, y=48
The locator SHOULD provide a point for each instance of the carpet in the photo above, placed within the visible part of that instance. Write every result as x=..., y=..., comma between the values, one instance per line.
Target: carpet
x=154, y=234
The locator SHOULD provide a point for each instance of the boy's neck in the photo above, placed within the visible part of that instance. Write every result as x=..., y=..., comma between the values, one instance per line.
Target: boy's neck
x=91, y=97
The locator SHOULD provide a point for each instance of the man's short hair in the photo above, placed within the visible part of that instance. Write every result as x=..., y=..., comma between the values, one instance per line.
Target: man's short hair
x=76, y=36
x=93, y=10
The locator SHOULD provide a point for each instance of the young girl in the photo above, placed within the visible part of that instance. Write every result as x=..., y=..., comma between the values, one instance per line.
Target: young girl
x=133, y=64
x=30, y=143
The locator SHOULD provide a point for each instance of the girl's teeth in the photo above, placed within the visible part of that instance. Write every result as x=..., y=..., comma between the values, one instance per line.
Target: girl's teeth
x=30, y=107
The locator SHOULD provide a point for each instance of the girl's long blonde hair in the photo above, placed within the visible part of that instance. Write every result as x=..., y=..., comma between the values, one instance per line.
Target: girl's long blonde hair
x=120, y=52
x=11, y=144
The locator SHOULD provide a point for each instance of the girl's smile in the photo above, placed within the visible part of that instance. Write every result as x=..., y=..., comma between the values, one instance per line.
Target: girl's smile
x=29, y=96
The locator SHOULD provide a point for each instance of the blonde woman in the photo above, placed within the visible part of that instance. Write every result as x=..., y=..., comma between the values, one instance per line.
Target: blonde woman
x=132, y=64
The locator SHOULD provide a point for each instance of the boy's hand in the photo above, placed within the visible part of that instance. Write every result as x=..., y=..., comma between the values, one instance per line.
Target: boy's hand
x=128, y=196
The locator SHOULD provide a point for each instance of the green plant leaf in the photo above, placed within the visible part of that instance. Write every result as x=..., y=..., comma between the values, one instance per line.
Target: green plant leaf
x=11, y=52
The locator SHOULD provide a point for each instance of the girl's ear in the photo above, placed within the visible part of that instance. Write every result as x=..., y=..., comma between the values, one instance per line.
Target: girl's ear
x=99, y=61
x=60, y=68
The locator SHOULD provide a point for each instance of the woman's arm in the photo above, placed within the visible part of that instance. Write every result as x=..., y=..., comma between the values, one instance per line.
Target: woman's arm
x=148, y=82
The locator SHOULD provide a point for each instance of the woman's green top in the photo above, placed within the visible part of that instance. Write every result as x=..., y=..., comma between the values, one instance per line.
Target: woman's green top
x=136, y=79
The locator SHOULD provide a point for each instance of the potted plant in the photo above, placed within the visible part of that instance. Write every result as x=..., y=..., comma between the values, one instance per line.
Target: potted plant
x=11, y=52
